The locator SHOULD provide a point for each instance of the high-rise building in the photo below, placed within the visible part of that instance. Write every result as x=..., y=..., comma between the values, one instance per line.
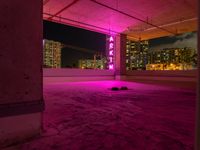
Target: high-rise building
x=51, y=54
x=172, y=59
x=136, y=55
x=92, y=64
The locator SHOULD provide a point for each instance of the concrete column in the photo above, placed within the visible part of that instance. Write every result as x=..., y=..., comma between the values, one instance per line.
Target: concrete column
x=197, y=132
x=120, y=57
x=21, y=95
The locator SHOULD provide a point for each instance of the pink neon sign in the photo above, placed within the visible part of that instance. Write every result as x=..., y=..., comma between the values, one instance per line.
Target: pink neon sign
x=111, y=53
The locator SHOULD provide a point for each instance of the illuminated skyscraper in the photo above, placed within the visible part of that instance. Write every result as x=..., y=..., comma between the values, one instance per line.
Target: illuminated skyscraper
x=136, y=55
x=52, y=54
x=172, y=59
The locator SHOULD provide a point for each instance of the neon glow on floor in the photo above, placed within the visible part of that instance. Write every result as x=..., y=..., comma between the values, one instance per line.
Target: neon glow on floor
x=89, y=116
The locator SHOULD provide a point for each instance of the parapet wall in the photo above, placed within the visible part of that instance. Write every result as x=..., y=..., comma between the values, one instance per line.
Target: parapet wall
x=65, y=75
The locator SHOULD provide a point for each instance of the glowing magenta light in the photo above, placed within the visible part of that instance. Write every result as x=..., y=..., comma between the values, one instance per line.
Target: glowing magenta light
x=111, y=67
x=111, y=46
x=111, y=53
x=111, y=59
x=111, y=39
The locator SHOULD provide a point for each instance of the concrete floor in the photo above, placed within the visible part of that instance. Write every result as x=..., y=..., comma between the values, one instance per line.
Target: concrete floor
x=89, y=116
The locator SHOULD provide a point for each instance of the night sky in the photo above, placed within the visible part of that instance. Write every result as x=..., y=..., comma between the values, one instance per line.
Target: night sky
x=180, y=41
x=74, y=36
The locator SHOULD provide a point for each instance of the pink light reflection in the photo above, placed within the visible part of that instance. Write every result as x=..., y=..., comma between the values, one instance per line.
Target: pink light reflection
x=111, y=39
x=111, y=46
x=111, y=67
x=111, y=53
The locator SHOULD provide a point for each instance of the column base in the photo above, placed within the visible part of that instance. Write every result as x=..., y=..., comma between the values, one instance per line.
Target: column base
x=16, y=129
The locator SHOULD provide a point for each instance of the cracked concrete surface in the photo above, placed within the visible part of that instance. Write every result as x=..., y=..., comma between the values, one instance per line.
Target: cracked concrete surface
x=90, y=116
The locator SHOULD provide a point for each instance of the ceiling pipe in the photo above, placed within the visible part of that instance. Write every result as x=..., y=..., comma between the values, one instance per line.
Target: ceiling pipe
x=103, y=30
x=173, y=23
x=63, y=9
x=133, y=17
x=78, y=22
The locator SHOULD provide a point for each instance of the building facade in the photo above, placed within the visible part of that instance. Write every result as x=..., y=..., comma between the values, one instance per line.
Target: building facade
x=139, y=57
x=136, y=55
x=51, y=54
x=172, y=59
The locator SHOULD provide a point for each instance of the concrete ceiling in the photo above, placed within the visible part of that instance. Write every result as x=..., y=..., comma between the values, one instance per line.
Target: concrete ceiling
x=145, y=19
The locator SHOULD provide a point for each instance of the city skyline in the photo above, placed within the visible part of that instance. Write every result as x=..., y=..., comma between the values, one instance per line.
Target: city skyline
x=139, y=57
x=93, y=42
x=78, y=37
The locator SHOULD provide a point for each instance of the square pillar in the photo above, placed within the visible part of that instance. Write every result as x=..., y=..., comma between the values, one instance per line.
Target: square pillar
x=197, y=131
x=21, y=95
x=120, y=57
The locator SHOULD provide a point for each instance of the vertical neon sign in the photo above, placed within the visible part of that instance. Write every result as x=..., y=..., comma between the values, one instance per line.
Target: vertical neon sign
x=111, y=53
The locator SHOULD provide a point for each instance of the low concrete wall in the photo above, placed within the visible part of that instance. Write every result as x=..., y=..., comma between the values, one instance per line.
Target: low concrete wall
x=60, y=75
x=65, y=75
x=186, y=76
x=163, y=73
x=181, y=79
